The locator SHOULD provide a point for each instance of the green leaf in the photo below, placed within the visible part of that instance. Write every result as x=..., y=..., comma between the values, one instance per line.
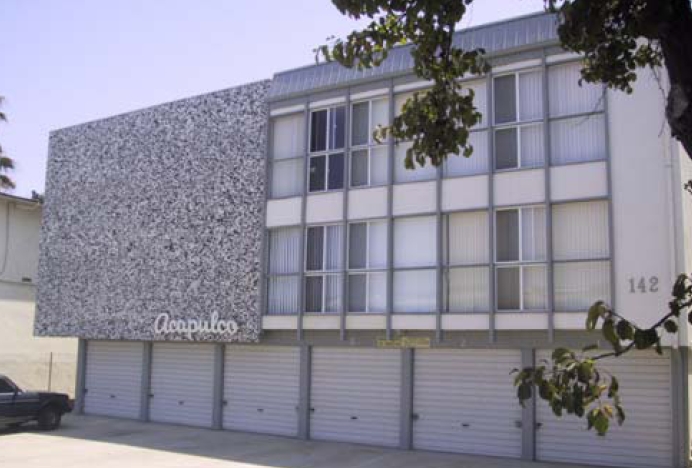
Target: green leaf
x=595, y=311
x=601, y=423
x=561, y=354
x=625, y=330
x=524, y=392
x=614, y=387
x=590, y=347
x=619, y=414
x=670, y=326
x=609, y=332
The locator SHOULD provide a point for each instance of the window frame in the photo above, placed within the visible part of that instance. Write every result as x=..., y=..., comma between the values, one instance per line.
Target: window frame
x=370, y=145
x=327, y=152
x=273, y=161
x=368, y=270
x=323, y=272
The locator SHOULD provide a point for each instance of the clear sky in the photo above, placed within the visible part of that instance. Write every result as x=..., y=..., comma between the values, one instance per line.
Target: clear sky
x=71, y=61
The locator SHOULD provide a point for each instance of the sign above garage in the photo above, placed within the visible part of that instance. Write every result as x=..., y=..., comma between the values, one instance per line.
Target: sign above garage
x=166, y=327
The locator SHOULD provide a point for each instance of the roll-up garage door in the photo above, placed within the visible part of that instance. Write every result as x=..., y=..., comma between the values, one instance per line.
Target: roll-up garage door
x=644, y=440
x=182, y=376
x=113, y=378
x=355, y=395
x=261, y=387
x=464, y=401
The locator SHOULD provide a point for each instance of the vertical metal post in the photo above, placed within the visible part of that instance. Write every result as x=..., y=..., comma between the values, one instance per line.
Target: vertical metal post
x=680, y=407
x=406, y=412
x=491, y=209
x=528, y=413
x=303, y=232
x=303, y=408
x=218, y=391
x=80, y=381
x=344, y=216
x=548, y=205
x=264, y=250
x=145, y=385
x=439, y=254
x=611, y=215
x=390, y=219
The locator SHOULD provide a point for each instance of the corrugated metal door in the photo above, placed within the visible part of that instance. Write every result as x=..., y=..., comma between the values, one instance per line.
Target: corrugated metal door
x=182, y=383
x=355, y=395
x=464, y=401
x=644, y=440
x=113, y=378
x=261, y=387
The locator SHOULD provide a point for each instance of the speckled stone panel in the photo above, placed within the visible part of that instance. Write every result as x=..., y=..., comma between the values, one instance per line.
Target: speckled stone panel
x=156, y=211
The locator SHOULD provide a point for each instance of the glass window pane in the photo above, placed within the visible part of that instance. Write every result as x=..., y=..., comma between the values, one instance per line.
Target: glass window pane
x=532, y=152
x=283, y=295
x=357, y=242
x=360, y=123
x=359, y=168
x=378, y=165
x=579, y=284
x=313, y=294
x=505, y=99
x=377, y=244
x=415, y=241
x=415, y=291
x=533, y=233
x=506, y=148
x=284, y=250
x=377, y=292
x=333, y=292
x=357, y=292
x=288, y=139
x=469, y=290
x=318, y=171
x=508, y=289
x=318, y=131
x=577, y=140
x=477, y=163
x=401, y=174
x=336, y=171
x=337, y=129
x=468, y=238
x=287, y=178
x=380, y=115
x=480, y=99
x=315, y=249
x=580, y=230
x=334, y=247
x=567, y=96
x=530, y=96
x=507, y=235
x=535, y=287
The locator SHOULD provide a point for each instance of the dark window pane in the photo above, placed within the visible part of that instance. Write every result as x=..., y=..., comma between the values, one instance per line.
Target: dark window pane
x=313, y=294
x=318, y=131
x=315, y=249
x=5, y=387
x=337, y=127
x=507, y=236
x=359, y=168
x=506, y=148
x=359, y=129
x=317, y=173
x=505, y=99
x=508, y=289
x=357, y=240
x=356, y=293
x=336, y=171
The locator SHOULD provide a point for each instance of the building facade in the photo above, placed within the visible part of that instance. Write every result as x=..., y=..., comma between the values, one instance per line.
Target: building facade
x=360, y=301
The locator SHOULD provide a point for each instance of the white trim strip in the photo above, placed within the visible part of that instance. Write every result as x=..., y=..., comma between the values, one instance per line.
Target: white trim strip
x=287, y=110
x=412, y=86
x=368, y=94
x=517, y=66
x=328, y=102
x=567, y=57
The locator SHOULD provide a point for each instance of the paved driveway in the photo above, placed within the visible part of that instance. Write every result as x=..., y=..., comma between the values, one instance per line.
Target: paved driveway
x=95, y=442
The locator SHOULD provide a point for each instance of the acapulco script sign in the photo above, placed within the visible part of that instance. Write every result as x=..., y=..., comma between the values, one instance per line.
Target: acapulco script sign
x=165, y=325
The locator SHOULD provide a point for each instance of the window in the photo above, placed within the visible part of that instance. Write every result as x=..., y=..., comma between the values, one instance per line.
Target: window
x=466, y=247
x=327, y=130
x=284, y=271
x=415, y=258
x=368, y=157
x=577, y=121
x=401, y=174
x=323, y=263
x=5, y=386
x=367, y=263
x=288, y=152
x=520, y=247
x=518, y=115
x=369, y=166
x=477, y=163
x=580, y=250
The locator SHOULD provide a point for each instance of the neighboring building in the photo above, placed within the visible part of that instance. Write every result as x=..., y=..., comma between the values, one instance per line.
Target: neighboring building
x=34, y=363
x=374, y=304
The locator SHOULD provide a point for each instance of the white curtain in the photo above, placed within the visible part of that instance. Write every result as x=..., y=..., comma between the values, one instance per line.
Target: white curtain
x=377, y=292
x=334, y=247
x=579, y=284
x=480, y=98
x=535, y=287
x=379, y=169
x=287, y=178
x=401, y=174
x=415, y=291
x=477, y=163
x=532, y=145
x=468, y=238
x=377, y=244
x=288, y=136
x=580, y=230
x=566, y=96
x=283, y=295
x=533, y=233
x=530, y=96
x=379, y=115
x=468, y=289
x=577, y=140
x=415, y=241
x=284, y=250
x=333, y=289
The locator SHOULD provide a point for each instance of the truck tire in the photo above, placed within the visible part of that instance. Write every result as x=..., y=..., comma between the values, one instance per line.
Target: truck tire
x=49, y=418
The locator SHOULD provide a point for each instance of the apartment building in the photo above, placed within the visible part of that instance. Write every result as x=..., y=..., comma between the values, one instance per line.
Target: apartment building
x=360, y=301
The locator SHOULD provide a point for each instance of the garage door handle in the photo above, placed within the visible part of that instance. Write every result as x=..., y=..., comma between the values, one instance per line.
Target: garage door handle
x=465, y=425
x=353, y=418
x=312, y=410
x=260, y=410
x=539, y=425
x=181, y=402
x=517, y=424
x=224, y=402
x=151, y=395
x=415, y=416
x=112, y=396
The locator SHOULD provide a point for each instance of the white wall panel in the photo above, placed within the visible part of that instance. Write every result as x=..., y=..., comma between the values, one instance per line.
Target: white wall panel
x=580, y=230
x=284, y=212
x=324, y=208
x=465, y=321
x=465, y=193
x=367, y=203
x=519, y=187
x=577, y=140
x=414, y=198
x=589, y=180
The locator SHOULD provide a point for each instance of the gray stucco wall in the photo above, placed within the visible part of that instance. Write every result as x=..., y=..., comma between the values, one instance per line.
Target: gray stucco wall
x=156, y=211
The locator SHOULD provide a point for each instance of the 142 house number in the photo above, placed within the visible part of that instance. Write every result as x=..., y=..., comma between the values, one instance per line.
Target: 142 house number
x=643, y=284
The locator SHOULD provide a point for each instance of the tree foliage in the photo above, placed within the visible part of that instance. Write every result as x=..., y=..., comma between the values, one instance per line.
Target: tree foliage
x=615, y=37
x=6, y=163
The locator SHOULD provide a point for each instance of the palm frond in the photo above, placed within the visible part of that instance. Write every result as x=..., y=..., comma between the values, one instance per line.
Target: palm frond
x=6, y=163
x=6, y=183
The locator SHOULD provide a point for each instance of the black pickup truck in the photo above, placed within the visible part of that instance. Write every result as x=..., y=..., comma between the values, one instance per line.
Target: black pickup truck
x=18, y=407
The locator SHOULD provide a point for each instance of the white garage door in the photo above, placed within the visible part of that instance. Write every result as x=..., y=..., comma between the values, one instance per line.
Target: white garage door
x=642, y=441
x=464, y=401
x=113, y=378
x=182, y=377
x=355, y=395
x=261, y=386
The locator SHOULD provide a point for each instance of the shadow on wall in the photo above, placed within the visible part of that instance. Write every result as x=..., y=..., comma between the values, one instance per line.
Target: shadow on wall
x=47, y=371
